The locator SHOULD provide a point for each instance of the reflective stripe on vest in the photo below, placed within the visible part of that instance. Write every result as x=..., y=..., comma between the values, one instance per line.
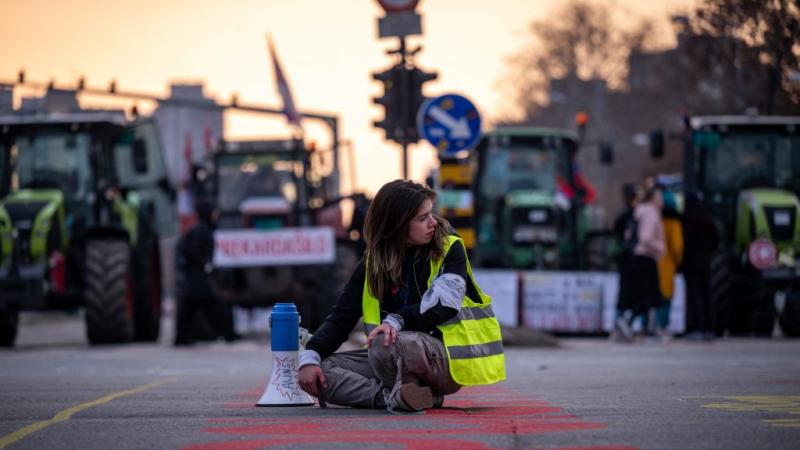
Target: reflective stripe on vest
x=476, y=351
x=465, y=313
x=474, y=313
x=472, y=338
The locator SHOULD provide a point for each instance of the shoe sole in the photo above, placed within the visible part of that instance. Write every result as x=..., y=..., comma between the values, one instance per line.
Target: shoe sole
x=416, y=398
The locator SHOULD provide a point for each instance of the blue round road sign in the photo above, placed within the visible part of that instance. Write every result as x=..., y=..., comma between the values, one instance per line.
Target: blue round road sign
x=450, y=122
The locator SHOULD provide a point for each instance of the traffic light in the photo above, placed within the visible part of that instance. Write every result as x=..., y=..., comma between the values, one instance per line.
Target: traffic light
x=581, y=119
x=606, y=153
x=402, y=98
x=656, y=144
x=417, y=78
x=390, y=100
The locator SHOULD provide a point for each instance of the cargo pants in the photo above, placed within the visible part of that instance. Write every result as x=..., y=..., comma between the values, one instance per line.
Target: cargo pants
x=360, y=378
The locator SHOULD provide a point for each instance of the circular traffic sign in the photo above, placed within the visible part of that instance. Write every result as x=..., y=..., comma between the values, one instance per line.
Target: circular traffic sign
x=762, y=253
x=398, y=6
x=450, y=122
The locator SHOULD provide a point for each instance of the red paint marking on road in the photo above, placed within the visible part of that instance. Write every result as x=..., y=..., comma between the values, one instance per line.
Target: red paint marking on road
x=354, y=430
x=409, y=444
x=467, y=420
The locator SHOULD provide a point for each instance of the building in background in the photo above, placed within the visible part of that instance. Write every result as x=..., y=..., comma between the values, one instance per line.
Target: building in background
x=187, y=119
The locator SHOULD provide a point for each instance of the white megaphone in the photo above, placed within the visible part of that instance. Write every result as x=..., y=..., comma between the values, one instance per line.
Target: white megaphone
x=282, y=388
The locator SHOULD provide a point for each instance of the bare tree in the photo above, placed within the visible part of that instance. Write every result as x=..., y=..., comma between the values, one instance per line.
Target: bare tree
x=730, y=55
x=580, y=41
x=757, y=35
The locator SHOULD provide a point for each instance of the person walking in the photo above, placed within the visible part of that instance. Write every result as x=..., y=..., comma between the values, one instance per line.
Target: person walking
x=625, y=236
x=702, y=240
x=430, y=329
x=672, y=222
x=650, y=247
x=195, y=290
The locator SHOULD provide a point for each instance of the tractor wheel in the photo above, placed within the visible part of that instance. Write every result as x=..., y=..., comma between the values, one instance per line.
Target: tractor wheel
x=720, y=287
x=147, y=292
x=9, y=320
x=790, y=316
x=109, y=291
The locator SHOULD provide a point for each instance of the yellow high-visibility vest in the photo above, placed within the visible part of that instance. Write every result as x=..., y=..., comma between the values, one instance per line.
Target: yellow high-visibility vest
x=472, y=338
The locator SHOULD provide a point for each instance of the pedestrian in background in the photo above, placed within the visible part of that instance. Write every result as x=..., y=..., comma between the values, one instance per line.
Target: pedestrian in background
x=625, y=240
x=668, y=264
x=702, y=241
x=195, y=289
x=431, y=330
x=650, y=245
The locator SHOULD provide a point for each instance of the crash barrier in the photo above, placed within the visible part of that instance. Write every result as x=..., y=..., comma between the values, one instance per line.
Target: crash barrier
x=282, y=388
x=563, y=302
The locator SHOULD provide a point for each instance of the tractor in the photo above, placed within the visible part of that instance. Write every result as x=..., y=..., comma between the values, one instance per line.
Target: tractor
x=280, y=218
x=531, y=206
x=84, y=200
x=747, y=170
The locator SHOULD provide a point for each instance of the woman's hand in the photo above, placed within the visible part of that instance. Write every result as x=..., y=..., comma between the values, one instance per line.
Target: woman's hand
x=389, y=331
x=309, y=377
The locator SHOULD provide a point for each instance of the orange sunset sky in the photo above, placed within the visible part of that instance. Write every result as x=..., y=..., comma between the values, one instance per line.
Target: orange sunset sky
x=327, y=48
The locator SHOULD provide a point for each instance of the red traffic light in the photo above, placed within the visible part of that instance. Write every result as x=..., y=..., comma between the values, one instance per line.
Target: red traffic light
x=581, y=119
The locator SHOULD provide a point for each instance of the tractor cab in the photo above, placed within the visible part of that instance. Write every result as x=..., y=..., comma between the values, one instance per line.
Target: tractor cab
x=745, y=169
x=748, y=172
x=259, y=188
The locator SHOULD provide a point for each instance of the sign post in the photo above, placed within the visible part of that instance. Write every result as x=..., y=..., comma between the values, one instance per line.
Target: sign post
x=401, y=20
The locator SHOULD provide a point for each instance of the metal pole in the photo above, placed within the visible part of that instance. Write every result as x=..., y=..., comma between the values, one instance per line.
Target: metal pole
x=404, y=105
x=334, y=188
x=351, y=160
x=405, y=160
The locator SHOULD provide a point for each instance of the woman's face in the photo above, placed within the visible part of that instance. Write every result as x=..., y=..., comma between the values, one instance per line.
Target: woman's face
x=422, y=225
x=658, y=199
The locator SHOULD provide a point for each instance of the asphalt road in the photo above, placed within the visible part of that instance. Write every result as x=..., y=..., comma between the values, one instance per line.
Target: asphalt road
x=58, y=393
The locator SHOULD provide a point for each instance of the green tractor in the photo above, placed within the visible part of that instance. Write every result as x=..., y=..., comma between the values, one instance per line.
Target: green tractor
x=747, y=169
x=84, y=199
x=531, y=204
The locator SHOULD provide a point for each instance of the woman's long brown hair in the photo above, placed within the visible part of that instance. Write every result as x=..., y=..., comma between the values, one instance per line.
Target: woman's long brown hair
x=386, y=233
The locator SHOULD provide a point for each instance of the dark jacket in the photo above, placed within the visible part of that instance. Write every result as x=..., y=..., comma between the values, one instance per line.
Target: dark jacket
x=625, y=233
x=193, y=258
x=701, y=238
x=404, y=300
